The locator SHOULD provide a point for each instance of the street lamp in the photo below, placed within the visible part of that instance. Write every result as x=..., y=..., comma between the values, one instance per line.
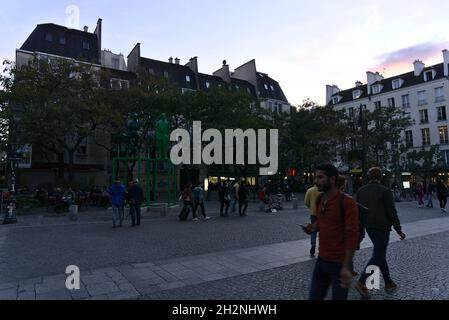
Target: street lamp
x=10, y=215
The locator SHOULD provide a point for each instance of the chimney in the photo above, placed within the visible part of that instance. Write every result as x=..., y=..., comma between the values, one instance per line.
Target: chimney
x=419, y=67
x=358, y=84
x=170, y=60
x=446, y=62
x=86, y=28
x=177, y=61
x=98, y=33
x=330, y=91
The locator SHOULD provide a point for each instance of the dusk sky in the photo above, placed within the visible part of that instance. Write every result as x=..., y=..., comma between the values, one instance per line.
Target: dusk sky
x=302, y=44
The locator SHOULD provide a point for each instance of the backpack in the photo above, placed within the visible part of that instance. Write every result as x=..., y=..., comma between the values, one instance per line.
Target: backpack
x=342, y=215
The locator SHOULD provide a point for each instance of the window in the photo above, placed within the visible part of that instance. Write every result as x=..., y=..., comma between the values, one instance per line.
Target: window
x=115, y=84
x=396, y=84
x=391, y=103
x=422, y=98
x=425, y=136
x=166, y=75
x=207, y=84
x=248, y=90
x=356, y=94
x=441, y=113
x=237, y=87
x=86, y=45
x=444, y=137
x=409, y=138
x=125, y=84
x=428, y=75
x=48, y=37
x=82, y=149
x=376, y=89
x=445, y=157
x=439, y=94
x=377, y=105
x=280, y=107
x=423, y=116
x=266, y=87
x=406, y=101
x=187, y=79
x=272, y=88
x=62, y=40
x=351, y=113
x=335, y=100
x=270, y=106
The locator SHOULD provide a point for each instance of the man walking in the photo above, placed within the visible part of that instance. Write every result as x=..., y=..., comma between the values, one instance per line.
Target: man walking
x=310, y=201
x=224, y=198
x=135, y=198
x=442, y=195
x=338, y=237
x=198, y=200
x=379, y=217
x=117, y=193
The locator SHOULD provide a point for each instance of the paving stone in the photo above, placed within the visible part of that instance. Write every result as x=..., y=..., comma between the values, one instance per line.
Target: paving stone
x=8, y=294
x=54, y=295
x=99, y=289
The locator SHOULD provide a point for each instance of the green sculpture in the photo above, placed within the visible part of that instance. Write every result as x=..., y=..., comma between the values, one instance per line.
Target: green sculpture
x=162, y=136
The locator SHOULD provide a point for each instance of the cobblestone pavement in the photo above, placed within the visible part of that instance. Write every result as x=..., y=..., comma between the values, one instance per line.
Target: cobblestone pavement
x=135, y=263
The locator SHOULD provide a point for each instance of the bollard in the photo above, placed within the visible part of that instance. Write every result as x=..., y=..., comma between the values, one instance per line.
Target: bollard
x=73, y=212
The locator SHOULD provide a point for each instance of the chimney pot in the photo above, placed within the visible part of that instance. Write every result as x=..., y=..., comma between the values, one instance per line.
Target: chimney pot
x=170, y=60
x=177, y=61
x=86, y=28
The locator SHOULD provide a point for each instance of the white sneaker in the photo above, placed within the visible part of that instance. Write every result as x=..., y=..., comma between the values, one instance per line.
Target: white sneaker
x=195, y=219
x=207, y=218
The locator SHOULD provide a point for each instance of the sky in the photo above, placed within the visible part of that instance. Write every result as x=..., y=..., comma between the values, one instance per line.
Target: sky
x=302, y=44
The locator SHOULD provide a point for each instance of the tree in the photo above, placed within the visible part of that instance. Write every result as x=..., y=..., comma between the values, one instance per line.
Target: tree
x=53, y=106
x=425, y=163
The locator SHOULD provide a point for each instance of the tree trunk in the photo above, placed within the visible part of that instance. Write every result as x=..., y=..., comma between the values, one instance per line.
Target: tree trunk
x=71, y=154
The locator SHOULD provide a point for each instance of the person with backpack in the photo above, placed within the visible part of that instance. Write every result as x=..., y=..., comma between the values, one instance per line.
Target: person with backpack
x=338, y=236
x=381, y=215
x=198, y=201
x=243, y=198
x=186, y=197
x=442, y=195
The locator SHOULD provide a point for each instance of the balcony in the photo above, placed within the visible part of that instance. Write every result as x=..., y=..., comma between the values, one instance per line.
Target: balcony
x=439, y=99
x=422, y=103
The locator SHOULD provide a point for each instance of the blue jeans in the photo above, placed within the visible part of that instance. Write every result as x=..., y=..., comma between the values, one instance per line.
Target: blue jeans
x=117, y=214
x=380, y=240
x=325, y=275
x=313, y=236
x=429, y=201
x=234, y=204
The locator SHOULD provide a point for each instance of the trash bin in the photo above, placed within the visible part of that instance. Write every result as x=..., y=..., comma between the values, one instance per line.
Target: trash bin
x=73, y=212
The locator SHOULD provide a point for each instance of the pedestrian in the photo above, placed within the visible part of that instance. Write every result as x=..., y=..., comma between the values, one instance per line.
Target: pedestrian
x=310, y=201
x=380, y=216
x=198, y=200
x=135, y=200
x=224, y=198
x=442, y=195
x=243, y=198
x=338, y=236
x=188, y=205
x=117, y=193
x=420, y=194
x=235, y=197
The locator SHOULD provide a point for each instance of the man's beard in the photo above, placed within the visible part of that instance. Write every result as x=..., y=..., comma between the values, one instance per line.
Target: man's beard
x=325, y=188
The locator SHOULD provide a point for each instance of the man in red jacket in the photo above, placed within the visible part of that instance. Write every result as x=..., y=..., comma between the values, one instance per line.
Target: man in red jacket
x=338, y=226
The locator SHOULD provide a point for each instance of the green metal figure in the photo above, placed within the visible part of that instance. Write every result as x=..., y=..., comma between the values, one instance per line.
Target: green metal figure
x=162, y=136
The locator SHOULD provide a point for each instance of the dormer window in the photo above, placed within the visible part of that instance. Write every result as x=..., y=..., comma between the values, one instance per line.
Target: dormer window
x=356, y=94
x=272, y=88
x=266, y=87
x=188, y=79
x=62, y=40
x=48, y=37
x=376, y=89
x=335, y=100
x=396, y=84
x=207, y=84
x=86, y=45
x=429, y=75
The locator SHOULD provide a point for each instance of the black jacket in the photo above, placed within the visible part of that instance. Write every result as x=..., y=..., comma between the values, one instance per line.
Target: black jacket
x=381, y=213
x=135, y=195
